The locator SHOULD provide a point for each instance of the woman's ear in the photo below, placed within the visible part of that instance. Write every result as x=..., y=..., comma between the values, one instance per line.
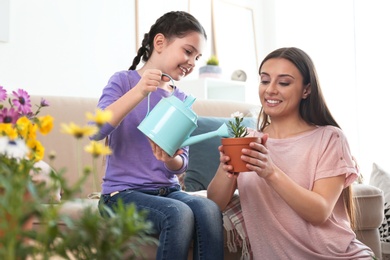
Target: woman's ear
x=306, y=91
x=159, y=41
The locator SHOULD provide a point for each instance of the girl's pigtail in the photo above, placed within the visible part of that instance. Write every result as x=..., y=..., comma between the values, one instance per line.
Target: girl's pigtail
x=142, y=53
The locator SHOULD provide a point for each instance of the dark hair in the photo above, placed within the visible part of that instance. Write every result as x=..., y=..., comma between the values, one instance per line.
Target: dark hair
x=172, y=24
x=313, y=109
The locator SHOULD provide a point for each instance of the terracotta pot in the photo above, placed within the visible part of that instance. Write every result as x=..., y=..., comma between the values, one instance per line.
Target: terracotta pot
x=232, y=147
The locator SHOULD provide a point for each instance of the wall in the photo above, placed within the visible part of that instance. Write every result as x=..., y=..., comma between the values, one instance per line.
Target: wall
x=69, y=48
x=346, y=40
x=72, y=47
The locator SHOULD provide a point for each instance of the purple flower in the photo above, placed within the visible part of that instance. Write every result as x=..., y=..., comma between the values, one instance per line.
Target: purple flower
x=44, y=103
x=3, y=93
x=8, y=115
x=22, y=101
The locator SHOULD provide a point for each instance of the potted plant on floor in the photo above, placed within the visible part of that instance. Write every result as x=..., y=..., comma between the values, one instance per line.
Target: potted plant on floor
x=232, y=146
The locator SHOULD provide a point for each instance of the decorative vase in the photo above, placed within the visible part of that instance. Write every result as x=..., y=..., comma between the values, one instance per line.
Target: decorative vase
x=210, y=71
x=232, y=147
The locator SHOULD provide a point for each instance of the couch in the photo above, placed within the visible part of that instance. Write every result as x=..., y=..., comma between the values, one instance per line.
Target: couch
x=66, y=150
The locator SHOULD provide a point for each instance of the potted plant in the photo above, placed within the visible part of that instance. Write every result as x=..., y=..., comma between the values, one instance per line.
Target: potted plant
x=232, y=146
x=211, y=69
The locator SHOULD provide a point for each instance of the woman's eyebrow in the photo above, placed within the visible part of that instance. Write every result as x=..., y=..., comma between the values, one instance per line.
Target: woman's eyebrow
x=279, y=76
x=286, y=75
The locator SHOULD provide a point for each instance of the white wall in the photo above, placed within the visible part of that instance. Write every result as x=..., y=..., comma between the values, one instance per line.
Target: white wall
x=66, y=47
x=348, y=43
x=72, y=47
x=372, y=73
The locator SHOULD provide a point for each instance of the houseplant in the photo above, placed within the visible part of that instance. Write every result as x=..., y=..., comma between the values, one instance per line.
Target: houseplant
x=20, y=151
x=21, y=198
x=211, y=69
x=232, y=146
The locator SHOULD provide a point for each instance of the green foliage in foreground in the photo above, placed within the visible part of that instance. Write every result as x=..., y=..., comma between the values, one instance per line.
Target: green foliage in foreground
x=120, y=236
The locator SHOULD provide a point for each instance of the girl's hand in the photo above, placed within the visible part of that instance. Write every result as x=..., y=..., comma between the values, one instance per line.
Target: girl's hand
x=150, y=80
x=161, y=155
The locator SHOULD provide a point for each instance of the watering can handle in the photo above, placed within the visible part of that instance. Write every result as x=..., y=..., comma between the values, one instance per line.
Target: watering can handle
x=173, y=84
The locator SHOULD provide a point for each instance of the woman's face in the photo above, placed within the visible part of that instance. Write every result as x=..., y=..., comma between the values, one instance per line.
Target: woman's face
x=281, y=88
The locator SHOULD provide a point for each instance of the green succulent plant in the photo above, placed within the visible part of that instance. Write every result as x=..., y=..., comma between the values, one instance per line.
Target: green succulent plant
x=235, y=125
x=213, y=60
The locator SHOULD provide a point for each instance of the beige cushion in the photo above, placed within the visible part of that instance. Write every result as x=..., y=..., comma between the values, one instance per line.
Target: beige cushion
x=369, y=206
x=381, y=179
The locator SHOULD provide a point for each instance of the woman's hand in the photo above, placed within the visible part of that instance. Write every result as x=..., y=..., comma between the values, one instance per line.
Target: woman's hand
x=258, y=158
x=224, y=182
x=224, y=159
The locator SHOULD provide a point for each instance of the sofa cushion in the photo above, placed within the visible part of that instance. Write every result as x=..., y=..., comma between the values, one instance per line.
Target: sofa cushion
x=204, y=156
x=368, y=199
x=381, y=179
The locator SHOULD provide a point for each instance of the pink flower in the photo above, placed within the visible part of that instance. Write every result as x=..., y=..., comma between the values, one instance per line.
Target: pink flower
x=22, y=101
x=8, y=115
x=3, y=93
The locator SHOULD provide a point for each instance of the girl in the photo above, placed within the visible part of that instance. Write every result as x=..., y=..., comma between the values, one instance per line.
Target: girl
x=296, y=199
x=140, y=172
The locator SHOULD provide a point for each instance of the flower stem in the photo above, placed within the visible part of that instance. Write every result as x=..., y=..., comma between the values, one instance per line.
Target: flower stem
x=95, y=174
x=78, y=158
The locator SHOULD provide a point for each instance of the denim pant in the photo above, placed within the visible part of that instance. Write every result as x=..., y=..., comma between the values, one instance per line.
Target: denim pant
x=179, y=218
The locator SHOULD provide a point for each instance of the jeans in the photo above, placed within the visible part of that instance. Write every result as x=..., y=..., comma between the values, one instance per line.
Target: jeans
x=179, y=218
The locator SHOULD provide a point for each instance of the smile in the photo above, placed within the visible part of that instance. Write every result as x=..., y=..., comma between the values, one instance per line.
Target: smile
x=271, y=101
x=185, y=70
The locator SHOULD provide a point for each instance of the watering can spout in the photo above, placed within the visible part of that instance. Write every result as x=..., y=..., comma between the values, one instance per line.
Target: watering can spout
x=222, y=131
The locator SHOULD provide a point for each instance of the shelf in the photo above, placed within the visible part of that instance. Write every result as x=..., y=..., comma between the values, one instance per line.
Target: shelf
x=213, y=88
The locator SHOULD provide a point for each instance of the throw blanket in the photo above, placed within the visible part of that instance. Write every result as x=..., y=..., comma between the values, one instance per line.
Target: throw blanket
x=233, y=222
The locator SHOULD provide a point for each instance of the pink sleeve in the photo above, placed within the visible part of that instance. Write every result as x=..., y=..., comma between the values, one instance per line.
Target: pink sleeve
x=336, y=158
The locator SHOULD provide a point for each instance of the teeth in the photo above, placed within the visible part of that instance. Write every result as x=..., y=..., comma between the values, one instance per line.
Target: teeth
x=273, y=101
x=184, y=69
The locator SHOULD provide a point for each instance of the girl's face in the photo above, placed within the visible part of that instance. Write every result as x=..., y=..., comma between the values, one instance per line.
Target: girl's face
x=181, y=54
x=281, y=88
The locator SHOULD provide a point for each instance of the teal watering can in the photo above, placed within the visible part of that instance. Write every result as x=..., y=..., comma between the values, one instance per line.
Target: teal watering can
x=171, y=122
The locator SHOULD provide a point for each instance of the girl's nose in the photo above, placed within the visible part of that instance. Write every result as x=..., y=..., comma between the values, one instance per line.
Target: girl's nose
x=191, y=61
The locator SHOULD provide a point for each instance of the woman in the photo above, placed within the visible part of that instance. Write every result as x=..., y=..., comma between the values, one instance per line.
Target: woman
x=296, y=199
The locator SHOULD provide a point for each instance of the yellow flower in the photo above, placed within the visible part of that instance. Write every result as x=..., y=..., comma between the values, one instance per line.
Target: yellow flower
x=78, y=131
x=101, y=116
x=23, y=125
x=37, y=151
x=45, y=124
x=97, y=149
x=26, y=129
x=6, y=129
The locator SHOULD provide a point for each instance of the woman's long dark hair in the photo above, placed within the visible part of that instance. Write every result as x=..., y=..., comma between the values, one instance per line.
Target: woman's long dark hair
x=313, y=109
x=172, y=24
